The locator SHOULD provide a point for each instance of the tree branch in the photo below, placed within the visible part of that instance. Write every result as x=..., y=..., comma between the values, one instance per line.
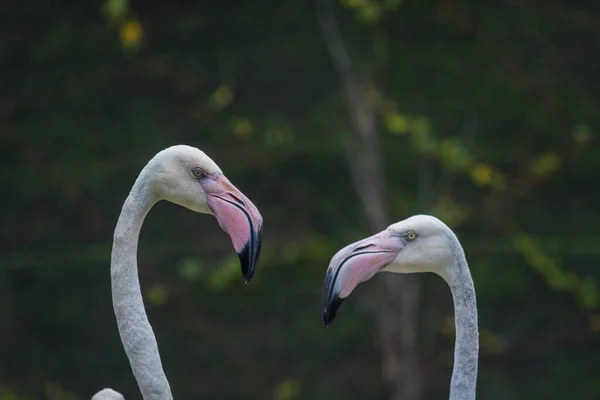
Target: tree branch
x=397, y=310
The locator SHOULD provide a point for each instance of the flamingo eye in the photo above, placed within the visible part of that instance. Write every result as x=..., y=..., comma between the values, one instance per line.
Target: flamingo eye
x=410, y=236
x=197, y=172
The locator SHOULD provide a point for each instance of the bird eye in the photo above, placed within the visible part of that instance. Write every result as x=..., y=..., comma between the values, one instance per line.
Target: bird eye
x=410, y=236
x=197, y=172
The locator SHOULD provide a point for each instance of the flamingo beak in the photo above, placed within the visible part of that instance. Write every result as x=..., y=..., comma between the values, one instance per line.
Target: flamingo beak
x=356, y=263
x=237, y=216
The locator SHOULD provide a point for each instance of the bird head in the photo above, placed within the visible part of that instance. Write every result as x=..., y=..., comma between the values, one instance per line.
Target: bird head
x=186, y=176
x=420, y=243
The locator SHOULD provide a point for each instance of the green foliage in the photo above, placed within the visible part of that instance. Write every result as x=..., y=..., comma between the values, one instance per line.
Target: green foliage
x=557, y=278
x=228, y=271
x=287, y=390
x=8, y=393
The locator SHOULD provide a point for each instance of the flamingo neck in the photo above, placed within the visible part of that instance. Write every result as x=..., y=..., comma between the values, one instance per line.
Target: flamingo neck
x=466, y=349
x=135, y=330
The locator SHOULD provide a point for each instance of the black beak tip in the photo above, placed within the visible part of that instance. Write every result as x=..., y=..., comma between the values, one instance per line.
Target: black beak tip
x=330, y=310
x=330, y=300
x=250, y=254
x=248, y=266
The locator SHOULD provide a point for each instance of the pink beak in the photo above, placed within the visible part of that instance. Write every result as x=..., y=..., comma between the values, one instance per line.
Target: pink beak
x=237, y=216
x=356, y=263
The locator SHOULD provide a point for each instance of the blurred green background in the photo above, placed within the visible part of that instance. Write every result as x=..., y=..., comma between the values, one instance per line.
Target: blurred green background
x=336, y=119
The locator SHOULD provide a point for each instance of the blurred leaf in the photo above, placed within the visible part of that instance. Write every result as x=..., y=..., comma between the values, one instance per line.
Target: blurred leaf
x=370, y=12
x=453, y=154
x=420, y=127
x=396, y=123
x=222, y=97
x=157, y=295
x=115, y=9
x=242, y=127
x=589, y=293
x=131, y=33
x=545, y=164
x=224, y=274
x=584, y=289
x=482, y=174
x=424, y=143
x=581, y=134
x=289, y=389
x=189, y=269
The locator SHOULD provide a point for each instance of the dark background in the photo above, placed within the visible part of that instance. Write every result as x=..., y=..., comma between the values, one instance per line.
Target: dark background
x=336, y=119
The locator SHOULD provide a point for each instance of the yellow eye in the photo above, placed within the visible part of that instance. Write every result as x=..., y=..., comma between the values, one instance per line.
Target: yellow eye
x=197, y=172
x=410, y=236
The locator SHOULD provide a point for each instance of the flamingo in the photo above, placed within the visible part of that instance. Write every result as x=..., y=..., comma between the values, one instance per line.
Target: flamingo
x=185, y=176
x=421, y=243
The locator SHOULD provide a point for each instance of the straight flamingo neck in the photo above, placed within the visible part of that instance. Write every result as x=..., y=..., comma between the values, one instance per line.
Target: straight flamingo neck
x=466, y=350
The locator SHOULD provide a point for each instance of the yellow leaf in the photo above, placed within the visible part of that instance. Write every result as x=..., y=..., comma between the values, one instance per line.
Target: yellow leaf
x=396, y=123
x=242, y=127
x=482, y=174
x=222, y=97
x=131, y=33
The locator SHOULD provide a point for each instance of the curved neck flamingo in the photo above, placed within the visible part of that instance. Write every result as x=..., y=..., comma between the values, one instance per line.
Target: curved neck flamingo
x=421, y=243
x=186, y=176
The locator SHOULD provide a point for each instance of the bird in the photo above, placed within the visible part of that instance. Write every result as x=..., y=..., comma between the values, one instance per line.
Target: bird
x=108, y=394
x=421, y=243
x=186, y=176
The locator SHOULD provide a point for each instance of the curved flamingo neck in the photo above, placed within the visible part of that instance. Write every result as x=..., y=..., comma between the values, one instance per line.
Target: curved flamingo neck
x=134, y=328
